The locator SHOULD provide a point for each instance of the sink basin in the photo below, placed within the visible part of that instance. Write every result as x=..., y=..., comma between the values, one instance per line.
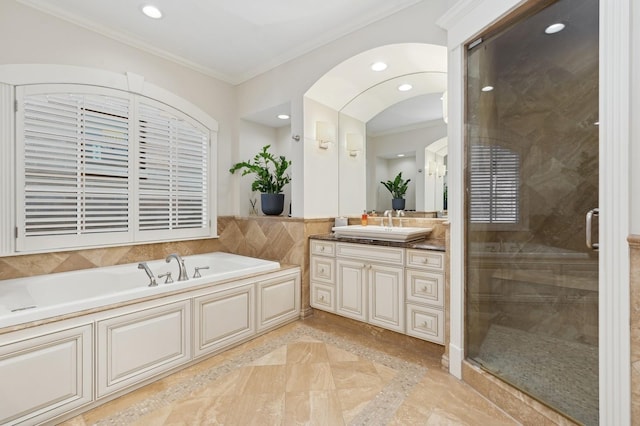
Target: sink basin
x=382, y=233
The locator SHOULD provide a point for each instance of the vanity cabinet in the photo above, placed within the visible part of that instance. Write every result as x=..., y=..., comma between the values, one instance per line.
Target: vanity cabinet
x=391, y=287
x=425, y=295
x=46, y=375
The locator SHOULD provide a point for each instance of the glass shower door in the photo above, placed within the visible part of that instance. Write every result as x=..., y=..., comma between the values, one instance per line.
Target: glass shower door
x=531, y=179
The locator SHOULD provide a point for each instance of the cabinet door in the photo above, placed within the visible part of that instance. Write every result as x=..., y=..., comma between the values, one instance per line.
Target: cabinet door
x=425, y=287
x=223, y=318
x=425, y=323
x=142, y=344
x=323, y=297
x=323, y=269
x=351, y=288
x=386, y=297
x=45, y=376
x=278, y=301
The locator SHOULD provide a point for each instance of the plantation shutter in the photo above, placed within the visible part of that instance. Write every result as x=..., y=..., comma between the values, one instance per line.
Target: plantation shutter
x=74, y=164
x=173, y=173
x=494, y=183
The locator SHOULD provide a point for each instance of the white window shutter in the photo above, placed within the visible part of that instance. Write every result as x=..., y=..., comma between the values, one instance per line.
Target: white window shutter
x=494, y=185
x=74, y=167
x=173, y=173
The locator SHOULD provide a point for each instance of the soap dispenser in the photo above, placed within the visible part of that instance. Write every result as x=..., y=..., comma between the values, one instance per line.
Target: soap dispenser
x=365, y=218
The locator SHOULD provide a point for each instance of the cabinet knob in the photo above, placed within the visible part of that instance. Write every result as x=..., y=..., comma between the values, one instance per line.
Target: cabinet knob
x=424, y=289
x=322, y=297
x=322, y=248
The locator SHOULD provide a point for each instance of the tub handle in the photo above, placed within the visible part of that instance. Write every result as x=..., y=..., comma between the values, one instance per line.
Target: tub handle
x=167, y=277
x=196, y=274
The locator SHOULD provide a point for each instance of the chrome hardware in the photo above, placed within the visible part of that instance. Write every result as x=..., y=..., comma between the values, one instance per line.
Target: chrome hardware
x=590, y=214
x=182, y=276
x=389, y=214
x=400, y=215
x=167, y=276
x=196, y=274
x=152, y=279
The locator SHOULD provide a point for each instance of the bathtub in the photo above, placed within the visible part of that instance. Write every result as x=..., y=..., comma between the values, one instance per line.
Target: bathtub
x=29, y=299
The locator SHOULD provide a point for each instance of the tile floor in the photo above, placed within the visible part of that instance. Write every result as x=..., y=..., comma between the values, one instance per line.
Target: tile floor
x=307, y=373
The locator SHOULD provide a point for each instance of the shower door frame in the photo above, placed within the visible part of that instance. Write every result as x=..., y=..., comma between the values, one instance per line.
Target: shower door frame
x=466, y=20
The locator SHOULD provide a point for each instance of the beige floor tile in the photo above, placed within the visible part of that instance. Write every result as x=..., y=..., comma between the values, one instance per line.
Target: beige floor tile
x=320, y=408
x=353, y=400
x=277, y=357
x=306, y=352
x=357, y=374
x=340, y=355
x=257, y=409
x=308, y=377
x=266, y=379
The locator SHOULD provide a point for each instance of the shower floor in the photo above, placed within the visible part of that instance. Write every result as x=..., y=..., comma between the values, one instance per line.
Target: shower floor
x=559, y=373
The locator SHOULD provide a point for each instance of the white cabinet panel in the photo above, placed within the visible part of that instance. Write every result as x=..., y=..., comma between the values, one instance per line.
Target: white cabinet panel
x=323, y=297
x=323, y=248
x=323, y=269
x=425, y=323
x=425, y=287
x=45, y=376
x=224, y=318
x=278, y=300
x=351, y=289
x=370, y=253
x=386, y=297
x=139, y=345
x=425, y=259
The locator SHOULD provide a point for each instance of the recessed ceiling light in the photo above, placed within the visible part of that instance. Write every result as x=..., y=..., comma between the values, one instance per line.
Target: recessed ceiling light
x=554, y=28
x=152, y=11
x=400, y=155
x=378, y=66
x=404, y=87
x=283, y=116
x=487, y=88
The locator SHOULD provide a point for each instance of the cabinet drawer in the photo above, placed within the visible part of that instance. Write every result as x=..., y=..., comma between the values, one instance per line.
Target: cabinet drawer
x=425, y=287
x=425, y=323
x=323, y=248
x=370, y=253
x=323, y=269
x=425, y=259
x=323, y=297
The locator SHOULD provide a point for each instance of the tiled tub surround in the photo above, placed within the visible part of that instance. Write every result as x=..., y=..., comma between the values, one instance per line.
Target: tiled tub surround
x=100, y=353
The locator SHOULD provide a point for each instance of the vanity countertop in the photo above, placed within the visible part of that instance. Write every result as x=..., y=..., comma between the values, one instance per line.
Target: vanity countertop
x=426, y=244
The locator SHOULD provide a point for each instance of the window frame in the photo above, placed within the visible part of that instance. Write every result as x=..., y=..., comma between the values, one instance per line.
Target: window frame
x=14, y=76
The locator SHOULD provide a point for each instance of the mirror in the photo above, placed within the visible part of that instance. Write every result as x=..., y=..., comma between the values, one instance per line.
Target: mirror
x=355, y=97
x=408, y=135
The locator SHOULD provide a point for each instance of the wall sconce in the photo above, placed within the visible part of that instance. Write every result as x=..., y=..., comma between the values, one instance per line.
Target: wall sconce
x=354, y=144
x=325, y=134
x=442, y=170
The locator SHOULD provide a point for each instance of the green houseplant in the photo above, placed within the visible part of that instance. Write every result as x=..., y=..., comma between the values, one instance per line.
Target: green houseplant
x=398, y=188
x=270, y=178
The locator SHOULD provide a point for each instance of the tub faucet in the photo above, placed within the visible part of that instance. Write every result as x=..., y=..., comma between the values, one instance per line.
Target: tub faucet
x=152, y=280
x=182, y=275
x=389, y=214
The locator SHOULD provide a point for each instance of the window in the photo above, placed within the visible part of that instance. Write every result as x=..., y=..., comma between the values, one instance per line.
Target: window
x=101, y=166
x=494, y=185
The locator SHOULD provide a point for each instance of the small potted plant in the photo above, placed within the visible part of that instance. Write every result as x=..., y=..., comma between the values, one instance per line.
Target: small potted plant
x=270, y=178
x=398, y=188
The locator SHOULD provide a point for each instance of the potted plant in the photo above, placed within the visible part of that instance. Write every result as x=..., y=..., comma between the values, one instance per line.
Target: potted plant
x=270, y=178
x=398, y=188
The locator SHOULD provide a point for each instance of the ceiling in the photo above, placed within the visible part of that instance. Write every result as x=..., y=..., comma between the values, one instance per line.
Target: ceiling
x=232, y=40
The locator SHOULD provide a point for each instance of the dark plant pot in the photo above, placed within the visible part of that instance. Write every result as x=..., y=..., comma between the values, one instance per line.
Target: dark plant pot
x=272, y=204
x=398, y=203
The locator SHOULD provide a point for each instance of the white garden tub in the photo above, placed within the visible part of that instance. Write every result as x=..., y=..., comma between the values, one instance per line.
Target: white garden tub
x=35, y=298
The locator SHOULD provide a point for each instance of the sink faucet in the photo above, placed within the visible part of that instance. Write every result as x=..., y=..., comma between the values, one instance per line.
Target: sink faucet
x=389, y=214
x=182, y=276
x=400, y=215
x=152, y=279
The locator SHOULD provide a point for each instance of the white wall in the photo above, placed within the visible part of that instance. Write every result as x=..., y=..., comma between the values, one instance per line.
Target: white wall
x=30, y=36
x=634, y=157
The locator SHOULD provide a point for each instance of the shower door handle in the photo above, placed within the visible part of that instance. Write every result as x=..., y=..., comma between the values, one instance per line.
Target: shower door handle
x=590, y=214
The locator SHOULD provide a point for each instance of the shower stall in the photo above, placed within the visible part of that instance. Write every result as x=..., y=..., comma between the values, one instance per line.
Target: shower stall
x=531, y=180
